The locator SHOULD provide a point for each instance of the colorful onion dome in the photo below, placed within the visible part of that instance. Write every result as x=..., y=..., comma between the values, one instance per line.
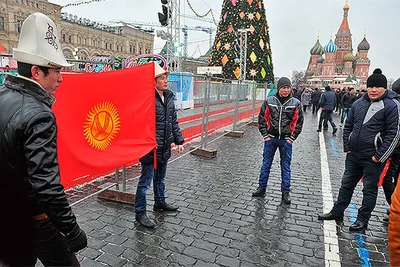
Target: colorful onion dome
x=349, y=57
x=330, y=47
x=317, y=49
x=320, y=59
x=364, y=45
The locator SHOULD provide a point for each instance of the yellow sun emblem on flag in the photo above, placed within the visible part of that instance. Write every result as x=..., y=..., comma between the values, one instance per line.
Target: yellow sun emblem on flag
x=102, y=125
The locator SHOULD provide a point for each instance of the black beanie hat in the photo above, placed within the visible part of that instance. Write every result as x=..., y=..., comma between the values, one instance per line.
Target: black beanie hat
x=284, y=81
x=396, y=86
x=377, y=79
x=327, y=88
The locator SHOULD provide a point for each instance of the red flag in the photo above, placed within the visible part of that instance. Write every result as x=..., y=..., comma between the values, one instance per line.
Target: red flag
x=105, y=120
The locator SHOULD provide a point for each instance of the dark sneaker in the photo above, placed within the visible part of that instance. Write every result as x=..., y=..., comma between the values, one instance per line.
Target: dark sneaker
x=358, y=226
x=319, y=130
x=164, y=207
x=334, y=130
x=329, y=216
x=145, y=221
x=286, y=198
x=260, y=192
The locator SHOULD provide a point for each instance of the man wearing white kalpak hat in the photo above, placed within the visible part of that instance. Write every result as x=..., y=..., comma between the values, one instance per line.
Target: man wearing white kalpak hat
x=167, y=132
x=36, y=219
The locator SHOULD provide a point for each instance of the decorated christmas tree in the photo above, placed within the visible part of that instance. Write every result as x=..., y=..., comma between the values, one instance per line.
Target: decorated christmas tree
x=243, y=14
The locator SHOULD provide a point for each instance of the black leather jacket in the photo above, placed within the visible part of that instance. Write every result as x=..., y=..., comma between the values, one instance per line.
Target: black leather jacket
x=29, y=171
x=167, y=129
x=281, y=120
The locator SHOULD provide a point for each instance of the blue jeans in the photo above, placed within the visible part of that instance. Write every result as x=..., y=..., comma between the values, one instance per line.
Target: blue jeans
x=355, y=168
x=285, y=151
x=147, y=174
x=345, y=114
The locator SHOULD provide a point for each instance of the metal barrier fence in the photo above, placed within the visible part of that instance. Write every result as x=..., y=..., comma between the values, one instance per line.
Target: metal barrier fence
x=192, y=92
x=208, y=96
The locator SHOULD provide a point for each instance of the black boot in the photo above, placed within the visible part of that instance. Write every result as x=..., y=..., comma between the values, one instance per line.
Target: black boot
x=260, y=192
x=334, y=130
x=164, y=207
x=145, y=221
x=286, y=198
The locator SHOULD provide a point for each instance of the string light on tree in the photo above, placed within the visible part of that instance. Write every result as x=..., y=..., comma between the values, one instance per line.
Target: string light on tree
x=236, y=15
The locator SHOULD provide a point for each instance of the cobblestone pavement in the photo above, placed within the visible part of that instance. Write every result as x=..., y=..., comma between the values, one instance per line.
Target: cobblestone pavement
x=220, y=224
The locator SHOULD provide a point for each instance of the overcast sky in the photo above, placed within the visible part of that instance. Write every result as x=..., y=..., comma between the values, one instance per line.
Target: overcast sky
x=294, y=26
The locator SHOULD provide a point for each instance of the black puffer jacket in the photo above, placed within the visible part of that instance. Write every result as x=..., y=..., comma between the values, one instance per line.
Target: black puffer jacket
x=373, y=128
x=281, y=120
x=167, y=129
x=348, y=100
x=29, y=171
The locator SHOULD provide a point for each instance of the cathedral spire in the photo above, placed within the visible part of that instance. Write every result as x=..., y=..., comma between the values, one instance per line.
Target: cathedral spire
x=344, y=27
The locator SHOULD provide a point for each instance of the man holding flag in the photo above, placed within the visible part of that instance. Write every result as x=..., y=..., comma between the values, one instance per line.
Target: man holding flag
x=167, y=132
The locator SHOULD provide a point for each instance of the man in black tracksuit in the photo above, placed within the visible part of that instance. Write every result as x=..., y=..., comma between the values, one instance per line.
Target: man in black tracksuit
x=370, y=136
x=280, y=123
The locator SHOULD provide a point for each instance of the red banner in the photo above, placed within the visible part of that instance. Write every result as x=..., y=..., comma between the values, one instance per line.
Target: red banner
x=105, y=120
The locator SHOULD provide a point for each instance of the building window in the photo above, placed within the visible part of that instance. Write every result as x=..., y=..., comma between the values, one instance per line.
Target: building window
x=63, y=37
x=110, y=46
x=1, y=23
x=84, y=41
x=37, y=5
x=79, y=40
x=70, y=38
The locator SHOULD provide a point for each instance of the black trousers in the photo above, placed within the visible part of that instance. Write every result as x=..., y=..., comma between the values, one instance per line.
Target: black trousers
x=43, y=242
x=315, y=108
x=326, y=115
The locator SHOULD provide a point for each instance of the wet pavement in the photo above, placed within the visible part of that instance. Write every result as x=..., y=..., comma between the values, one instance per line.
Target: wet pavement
x=220, y=224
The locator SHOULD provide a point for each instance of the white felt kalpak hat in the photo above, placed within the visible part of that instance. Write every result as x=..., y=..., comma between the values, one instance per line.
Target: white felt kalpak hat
x=39, y=43
x=158, y=71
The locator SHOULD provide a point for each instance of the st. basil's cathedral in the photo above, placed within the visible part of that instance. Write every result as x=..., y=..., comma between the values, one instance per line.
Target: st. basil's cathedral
x=335, y=64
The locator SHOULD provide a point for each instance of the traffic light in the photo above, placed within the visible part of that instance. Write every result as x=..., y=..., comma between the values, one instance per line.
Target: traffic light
x=166, y=13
